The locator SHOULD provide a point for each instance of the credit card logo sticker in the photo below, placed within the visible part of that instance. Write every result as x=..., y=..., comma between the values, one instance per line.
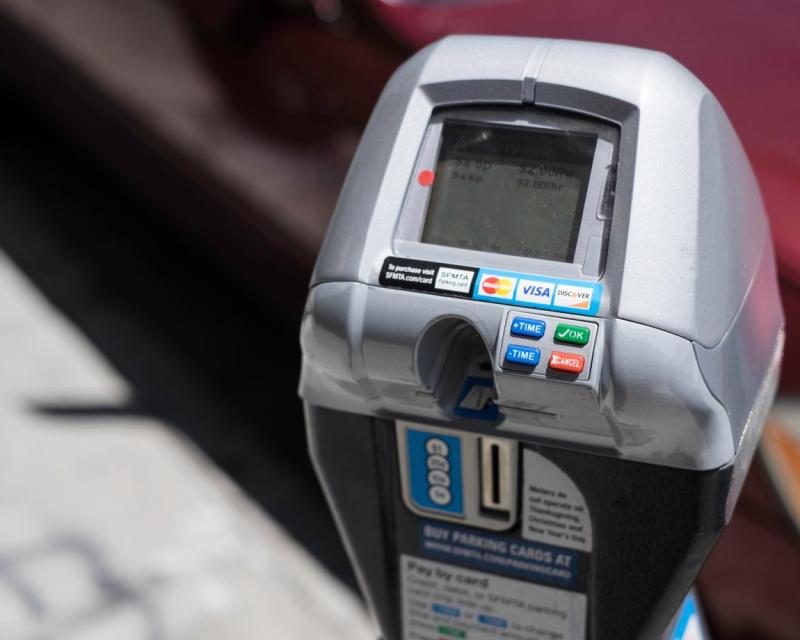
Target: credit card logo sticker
x=498, y=286
x=573, y=297
x=492, y=285
x=535, y=291
x=450, y=279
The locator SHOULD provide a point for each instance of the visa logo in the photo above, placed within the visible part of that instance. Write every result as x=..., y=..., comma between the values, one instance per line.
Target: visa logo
x=530, y=290
x=535, y=291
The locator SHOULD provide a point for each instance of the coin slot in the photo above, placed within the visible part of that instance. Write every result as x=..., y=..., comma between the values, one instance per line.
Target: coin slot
x=495, y=473
x=497, y=476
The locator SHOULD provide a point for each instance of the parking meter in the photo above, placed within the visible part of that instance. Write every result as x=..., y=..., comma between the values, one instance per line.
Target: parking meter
x=540, y=342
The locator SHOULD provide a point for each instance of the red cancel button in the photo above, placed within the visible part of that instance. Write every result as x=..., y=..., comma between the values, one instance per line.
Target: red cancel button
x=571, y=362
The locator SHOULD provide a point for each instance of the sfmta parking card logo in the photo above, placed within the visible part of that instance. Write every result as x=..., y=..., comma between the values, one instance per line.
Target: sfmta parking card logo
x=451, y=279
x=535, y=291
x=497, y=286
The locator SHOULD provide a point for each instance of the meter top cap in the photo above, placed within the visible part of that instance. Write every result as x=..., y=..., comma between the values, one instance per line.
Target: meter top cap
x=574, y=225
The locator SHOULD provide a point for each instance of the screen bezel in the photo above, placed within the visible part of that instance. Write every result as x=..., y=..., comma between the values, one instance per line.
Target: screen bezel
x=589, y=252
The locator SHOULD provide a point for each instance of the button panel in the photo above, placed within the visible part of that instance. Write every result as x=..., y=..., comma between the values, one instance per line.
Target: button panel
x=547, y=346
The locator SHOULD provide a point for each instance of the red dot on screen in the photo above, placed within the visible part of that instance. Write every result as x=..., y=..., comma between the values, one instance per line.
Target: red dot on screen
x=425, y=178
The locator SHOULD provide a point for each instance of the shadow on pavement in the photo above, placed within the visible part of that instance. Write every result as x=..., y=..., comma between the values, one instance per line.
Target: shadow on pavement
x=205, y=354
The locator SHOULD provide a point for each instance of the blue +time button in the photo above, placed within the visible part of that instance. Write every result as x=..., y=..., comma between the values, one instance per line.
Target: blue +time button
x=519, y=354
x=528, y=327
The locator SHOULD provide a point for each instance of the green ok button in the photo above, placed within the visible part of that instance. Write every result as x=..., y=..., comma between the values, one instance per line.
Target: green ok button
x=572, y=334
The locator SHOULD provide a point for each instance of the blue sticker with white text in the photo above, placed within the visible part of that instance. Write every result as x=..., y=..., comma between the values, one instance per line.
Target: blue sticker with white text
x=434, y=461
x=539, y=292
x=531, y=561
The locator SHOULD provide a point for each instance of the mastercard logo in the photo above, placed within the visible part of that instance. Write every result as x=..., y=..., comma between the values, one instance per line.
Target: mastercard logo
x=497, y=286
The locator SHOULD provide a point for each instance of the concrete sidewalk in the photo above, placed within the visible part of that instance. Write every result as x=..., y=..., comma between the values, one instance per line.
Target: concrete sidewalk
x=113, y=526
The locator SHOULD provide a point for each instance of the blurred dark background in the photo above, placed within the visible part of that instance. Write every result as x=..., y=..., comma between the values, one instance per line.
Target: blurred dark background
x=169, y=167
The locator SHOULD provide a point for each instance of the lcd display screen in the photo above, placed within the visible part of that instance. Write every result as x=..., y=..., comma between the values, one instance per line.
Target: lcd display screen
x=511, y=190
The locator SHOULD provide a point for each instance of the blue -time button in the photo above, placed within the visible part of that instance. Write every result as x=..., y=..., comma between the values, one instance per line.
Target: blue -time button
x=517, y=354
x=528, y=328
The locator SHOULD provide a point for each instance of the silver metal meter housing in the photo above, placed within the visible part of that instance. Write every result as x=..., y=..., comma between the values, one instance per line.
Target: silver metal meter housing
x=575, y=229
